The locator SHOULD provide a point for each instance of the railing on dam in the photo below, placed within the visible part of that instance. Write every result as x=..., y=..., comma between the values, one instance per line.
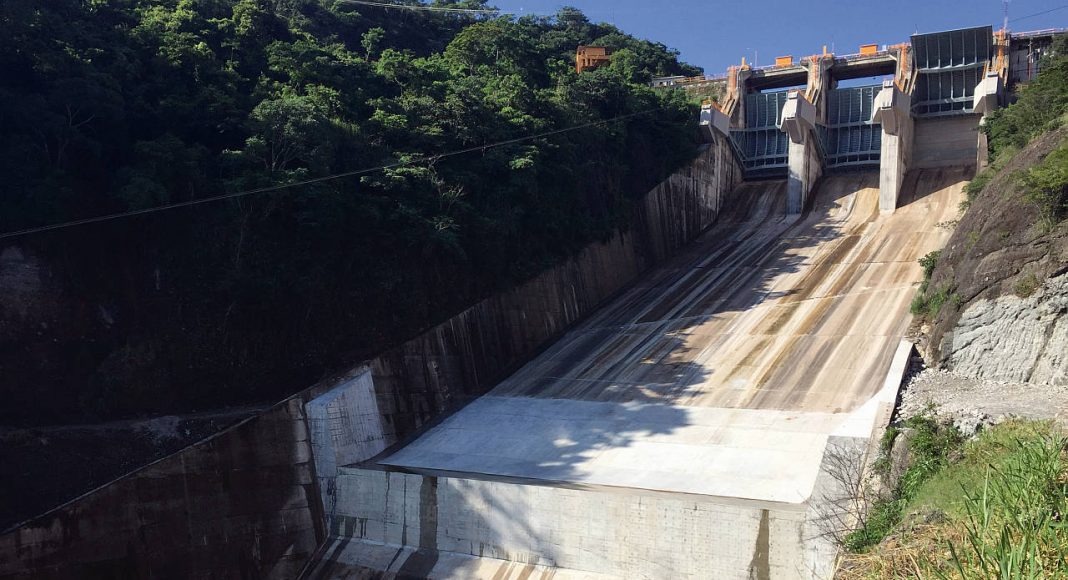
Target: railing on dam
x=761, y=145
x=949, y=65
x=850, y=137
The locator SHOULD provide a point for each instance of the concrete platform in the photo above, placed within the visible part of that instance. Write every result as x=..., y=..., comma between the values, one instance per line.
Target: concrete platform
x=354, y=559
x=646, y=446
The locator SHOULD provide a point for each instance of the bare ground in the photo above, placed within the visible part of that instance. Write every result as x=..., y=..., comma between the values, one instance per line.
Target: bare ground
x=972, y=402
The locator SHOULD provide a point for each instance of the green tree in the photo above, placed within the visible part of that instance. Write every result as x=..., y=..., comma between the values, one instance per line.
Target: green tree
x=372, y=40
x=286, y=131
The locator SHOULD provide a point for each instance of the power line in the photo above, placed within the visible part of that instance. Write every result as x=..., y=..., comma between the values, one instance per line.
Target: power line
x=424, y=7
x=430, y=158
x=1039, y=13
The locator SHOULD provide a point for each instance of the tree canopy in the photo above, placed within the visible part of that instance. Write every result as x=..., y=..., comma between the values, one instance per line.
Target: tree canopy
x=114, y=105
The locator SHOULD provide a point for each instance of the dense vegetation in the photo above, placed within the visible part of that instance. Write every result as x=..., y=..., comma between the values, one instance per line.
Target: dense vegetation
x=114, y=105
x=1037, y=108
x=995, y=510
x=929, y=446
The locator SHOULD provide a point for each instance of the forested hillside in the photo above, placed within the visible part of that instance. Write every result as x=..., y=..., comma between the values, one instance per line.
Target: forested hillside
x=116, y=105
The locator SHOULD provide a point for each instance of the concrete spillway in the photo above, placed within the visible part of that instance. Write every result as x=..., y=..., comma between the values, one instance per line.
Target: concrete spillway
x=683, y=428
x=688, y=428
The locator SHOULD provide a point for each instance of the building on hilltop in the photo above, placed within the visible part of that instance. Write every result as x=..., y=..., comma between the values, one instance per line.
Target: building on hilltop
x=588, y=57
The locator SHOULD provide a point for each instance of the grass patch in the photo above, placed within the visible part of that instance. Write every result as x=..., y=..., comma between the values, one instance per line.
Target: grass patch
x=996, y=511
x=992, y=447
x=984, y=177
x=1014, y=526
x=928, y=303
x=975, y=186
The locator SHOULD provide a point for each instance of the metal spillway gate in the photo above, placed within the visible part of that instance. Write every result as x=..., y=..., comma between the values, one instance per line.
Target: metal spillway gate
x=850, y=138
x=761, y=145
x=949, y=65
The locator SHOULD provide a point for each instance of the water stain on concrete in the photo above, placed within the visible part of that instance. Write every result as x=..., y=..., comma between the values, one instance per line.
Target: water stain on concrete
x=760, y=565
x=422, y=562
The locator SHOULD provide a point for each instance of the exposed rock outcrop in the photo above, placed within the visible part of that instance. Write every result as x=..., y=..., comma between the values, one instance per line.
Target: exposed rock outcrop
x=1007, y=282
x=1010, y=338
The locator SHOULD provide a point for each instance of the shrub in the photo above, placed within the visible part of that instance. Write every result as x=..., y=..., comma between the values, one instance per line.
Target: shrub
x=1046, y=187
x=928, y=263
x=930, y=446
x=1026, y=286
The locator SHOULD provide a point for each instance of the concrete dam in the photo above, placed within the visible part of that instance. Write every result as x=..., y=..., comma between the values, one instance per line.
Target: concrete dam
x=676, y=402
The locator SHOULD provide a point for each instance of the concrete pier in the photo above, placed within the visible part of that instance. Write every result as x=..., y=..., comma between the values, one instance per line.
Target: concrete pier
x=891, y=111
x=805, y=161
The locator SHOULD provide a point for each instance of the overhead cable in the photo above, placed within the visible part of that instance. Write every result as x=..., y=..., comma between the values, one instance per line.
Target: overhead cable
x=283, y=186
x=424, y=7
x=1038, y=13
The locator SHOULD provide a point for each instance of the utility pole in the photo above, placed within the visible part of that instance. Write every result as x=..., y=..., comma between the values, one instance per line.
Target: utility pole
x=1005, y=15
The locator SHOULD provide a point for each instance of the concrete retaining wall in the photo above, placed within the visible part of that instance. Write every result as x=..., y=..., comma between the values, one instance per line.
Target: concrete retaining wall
x=242, y=504
x=616, y=532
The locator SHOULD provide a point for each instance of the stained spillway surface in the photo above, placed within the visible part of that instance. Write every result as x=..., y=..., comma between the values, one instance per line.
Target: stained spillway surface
x=724, y=371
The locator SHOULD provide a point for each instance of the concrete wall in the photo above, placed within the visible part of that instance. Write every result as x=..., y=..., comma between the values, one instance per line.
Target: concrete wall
x=621, y=533
x=945, y=142
x=345, y=427
x=241, y=504
x=468, y=354
x=896, y=159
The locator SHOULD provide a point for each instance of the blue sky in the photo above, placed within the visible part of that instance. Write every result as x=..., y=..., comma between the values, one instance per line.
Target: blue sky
x=716, y=33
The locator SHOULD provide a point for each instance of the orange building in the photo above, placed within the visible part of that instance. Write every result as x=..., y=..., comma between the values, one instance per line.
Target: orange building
x=587, y=57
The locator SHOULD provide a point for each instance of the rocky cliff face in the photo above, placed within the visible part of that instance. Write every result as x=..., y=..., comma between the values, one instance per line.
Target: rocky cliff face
x=1007, y=281
x=1011, y=338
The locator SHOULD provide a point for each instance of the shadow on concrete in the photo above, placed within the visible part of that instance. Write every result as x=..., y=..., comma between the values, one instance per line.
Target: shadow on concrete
x=640, y=352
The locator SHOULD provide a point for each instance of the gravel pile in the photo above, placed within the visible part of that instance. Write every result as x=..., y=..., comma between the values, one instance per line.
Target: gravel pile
x=972, y=403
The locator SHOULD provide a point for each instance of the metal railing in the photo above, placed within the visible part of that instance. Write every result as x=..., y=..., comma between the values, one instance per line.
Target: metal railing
x=1034, y=33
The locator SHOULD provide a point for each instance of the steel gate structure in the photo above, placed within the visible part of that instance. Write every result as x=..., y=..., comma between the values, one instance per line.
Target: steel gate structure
x=850, y=137
x=949, y=65
x=762, y=145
